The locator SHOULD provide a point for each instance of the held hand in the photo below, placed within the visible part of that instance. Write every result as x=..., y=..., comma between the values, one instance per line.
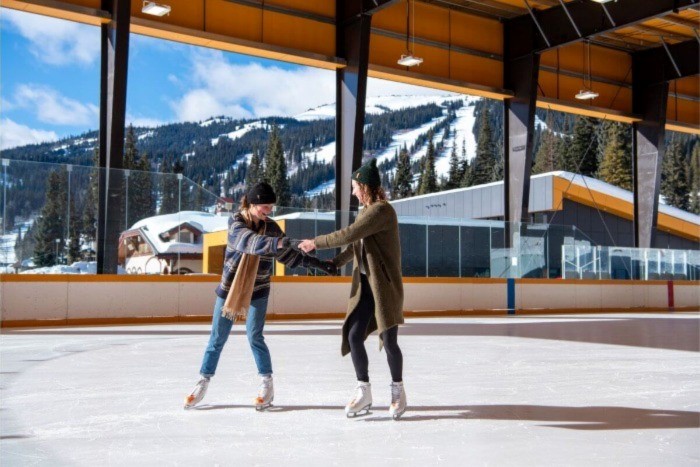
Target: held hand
x=292, y=243
x=307, y=246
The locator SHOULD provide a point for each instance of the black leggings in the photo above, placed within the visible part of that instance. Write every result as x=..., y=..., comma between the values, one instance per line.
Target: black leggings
x=357, y=326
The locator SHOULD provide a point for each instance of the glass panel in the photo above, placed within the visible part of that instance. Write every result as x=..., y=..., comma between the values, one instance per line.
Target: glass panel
x=49, y=221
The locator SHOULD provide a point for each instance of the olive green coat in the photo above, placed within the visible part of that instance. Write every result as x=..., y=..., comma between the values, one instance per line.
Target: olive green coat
x=378, y=226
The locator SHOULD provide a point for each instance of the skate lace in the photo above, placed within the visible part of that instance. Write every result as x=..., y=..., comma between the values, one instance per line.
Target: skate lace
x=395, y=393
x=265, y=385
x=359, y=394
x=201, y=385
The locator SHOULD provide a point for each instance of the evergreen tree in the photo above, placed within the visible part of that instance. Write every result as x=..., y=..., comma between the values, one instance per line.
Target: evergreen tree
x=255, y=170
x=142, y=203
x=276, y=168
x=49, y=224
x=169, y=189
x=454, y=177
x=582, y=154
x=616, y=166
x=74, y=237
x=547, y=157
x=403, y=180
x=428, y=178
x=694, y=179
x=674, y=183
x=131, y=154
x=482, y=170
x=465, y=169
x=88, y=219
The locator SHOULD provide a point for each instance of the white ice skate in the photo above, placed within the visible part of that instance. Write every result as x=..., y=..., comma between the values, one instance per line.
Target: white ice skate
x=197, y=393
x=266, y=394
x=398, y=401
x=362, y=402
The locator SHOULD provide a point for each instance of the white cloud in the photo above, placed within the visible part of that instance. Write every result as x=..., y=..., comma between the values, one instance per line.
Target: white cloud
x=56, y=41
x=250, y=90
x=218, y=87
x=52, y=107
x=13, y=134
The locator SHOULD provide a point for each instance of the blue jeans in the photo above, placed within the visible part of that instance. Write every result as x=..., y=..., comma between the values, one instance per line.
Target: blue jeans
x=221, y=328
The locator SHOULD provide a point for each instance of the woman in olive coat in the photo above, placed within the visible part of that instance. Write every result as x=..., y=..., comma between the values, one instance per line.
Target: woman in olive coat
x=376, y=295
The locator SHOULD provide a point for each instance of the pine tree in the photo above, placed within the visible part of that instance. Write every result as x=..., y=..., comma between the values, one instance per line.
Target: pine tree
x=465, y=169
x=88, y=219
x=694, y=179
x=169, y=189
x=49, y=225
x=454, y=177
x=74, y=237
x=428, y=177
x=141, y=191
x=616, y=166
x=674, y=185
x=482, y=170
x=404, y=178
x=276, y=168
x=582, y=154
x=255, y=172
x=547, y=156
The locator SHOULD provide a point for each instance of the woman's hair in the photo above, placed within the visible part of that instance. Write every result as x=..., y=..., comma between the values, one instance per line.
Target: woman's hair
x=372, y=194
x=245, y=205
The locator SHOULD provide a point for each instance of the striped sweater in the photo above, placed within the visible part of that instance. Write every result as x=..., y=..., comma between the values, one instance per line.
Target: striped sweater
x=241, y=240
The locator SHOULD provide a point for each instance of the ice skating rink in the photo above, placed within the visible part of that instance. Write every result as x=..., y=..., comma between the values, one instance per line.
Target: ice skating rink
x=523, y=390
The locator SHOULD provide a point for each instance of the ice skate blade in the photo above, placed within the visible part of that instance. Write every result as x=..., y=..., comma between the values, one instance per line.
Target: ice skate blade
x=363, y=411
x=261, y=408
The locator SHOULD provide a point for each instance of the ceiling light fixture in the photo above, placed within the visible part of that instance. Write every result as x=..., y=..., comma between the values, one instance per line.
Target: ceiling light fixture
x=603, y=1
x=155, y=9
x=587, y=92
x=408, y=59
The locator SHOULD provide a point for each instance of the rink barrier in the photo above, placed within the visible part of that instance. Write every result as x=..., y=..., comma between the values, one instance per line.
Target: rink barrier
x=55, y=300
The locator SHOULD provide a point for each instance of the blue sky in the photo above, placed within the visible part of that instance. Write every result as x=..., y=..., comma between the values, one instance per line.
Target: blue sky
x=49, y=76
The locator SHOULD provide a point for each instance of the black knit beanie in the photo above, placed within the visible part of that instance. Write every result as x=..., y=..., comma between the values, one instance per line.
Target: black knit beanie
x=368, y=174
x=261, y=193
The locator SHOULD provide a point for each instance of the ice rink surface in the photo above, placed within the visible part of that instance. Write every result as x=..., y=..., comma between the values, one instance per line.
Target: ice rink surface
x=522, y=390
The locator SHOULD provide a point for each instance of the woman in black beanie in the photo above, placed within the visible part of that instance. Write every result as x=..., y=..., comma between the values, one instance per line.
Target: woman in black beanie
x=254, y=242
x=376, y=297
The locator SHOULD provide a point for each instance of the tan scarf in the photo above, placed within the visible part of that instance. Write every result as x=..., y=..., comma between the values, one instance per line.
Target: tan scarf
x=241, y=291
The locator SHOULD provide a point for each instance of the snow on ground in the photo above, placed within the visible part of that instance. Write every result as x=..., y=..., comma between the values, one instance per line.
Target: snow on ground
x=215, y=120
x=379, y=104
x=147, y=134
x=461, y=130
x=240, y=132
x=325, y=187
x=7, y=243
x=323, y=154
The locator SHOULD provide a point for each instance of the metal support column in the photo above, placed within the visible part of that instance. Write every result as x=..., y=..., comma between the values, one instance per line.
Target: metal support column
x=520, y=75
x=352, y=43
x=652, y=70
x=648, y=154
x=113, y=74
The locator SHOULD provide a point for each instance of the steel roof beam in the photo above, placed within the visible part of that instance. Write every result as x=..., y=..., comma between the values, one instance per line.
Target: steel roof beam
x=590, y=18
x=655, y=65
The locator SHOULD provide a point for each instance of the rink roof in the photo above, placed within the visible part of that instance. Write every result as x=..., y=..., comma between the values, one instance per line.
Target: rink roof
x=461, y=42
